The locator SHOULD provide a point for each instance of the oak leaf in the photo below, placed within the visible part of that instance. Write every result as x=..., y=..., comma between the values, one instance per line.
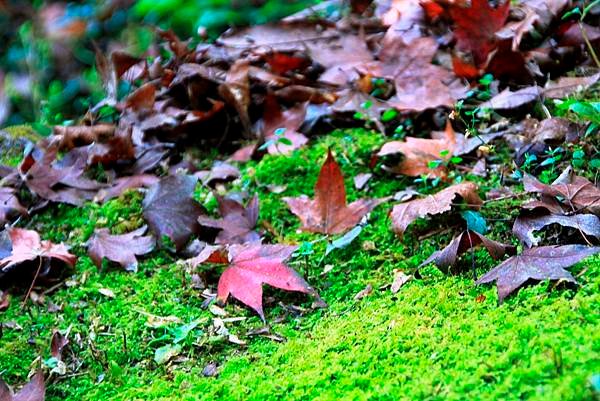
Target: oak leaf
x=539, y=263
x=328, y=212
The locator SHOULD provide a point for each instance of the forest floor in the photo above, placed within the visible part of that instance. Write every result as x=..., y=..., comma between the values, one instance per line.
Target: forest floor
x=438, y=338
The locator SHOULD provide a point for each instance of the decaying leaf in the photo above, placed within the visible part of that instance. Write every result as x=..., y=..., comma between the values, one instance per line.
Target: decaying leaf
x=466, y=240
x=119, y=248
x=237, y=223
x=405, y=213
x=578, y=193
x=526, y=224
x=253, y=265
x=35, y=390
x=539, y=263
x=170, y=209
x=10, y=207
x=328, y=212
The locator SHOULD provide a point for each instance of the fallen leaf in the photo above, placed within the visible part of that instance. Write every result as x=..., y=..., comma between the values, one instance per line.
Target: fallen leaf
x=525, y=225
x=119, y=248
x=253, y=265
x=219, y=172
x=509, y=100
x=10, y=207
x=419, y=153
x=238, y=222
x=170, y=209
x=579, y=193
x=400, y=278
x=35, y=390
x=477, y=25
x=539, y=263
x=566, y=86
x=328, y=212
x=27, y=246
x=360, y=180
x=365, y=292
x=343, y=241
x=405, y=213
x=120, y=185
x=466, y=240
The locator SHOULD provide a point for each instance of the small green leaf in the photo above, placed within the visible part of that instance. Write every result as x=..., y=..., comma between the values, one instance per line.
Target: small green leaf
x=475, y=221
x=285, y=141
x=456, y=159
x=279, y=131
x=389, y=115
x=433, y=164
x=444, y=153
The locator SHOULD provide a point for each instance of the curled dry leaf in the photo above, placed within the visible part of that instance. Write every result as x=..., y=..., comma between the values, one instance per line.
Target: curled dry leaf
x=238, y=222
x=539, y=263
x=405, y=213
x=120, y=248
x=27, y=246
x=170, y=209
x=253, y=265
x=525, y=225
x=419, y=152
x=35, y=390
x=508, y=100
x=328, y=212
x=120, y=185
x=219, y=172
x=578, y=193
x=466, y=240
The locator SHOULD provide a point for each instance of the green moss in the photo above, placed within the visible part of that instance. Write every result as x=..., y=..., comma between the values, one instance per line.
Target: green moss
x=439, y=338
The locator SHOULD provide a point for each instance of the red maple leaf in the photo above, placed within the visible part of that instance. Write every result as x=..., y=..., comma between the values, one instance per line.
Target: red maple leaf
x=251, y=266
x=328, y=212
x=476, y=27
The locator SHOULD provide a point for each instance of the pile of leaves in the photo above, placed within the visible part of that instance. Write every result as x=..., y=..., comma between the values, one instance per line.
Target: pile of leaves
x=270, y=88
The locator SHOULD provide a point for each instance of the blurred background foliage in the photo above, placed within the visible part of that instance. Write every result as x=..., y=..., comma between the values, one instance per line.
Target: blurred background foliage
x=47, y=57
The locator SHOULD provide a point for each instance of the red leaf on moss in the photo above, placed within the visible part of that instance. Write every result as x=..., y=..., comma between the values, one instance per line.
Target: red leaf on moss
x=328, y=212
x=253, y=265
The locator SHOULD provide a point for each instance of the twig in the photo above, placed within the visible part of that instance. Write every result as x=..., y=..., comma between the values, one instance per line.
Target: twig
x=37, y=273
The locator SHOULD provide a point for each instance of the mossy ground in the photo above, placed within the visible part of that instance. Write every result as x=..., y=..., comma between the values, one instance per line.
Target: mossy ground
x=438, y=338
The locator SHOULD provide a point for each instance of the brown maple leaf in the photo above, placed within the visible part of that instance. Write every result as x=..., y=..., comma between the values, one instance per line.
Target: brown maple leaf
x=120, y=248
x=540, y=263
x=578, y=193
x=526, y=224
x=328, y=212
x=466, y=240
x=253, y=265
x=405, y=213
x=238, y=222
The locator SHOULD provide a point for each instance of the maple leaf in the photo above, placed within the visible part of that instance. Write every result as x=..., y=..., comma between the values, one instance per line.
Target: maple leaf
x=238, y=222
x=578, y=192
x=466, y=240
x=328, y=212
x=253, y=265
x=476, y=27
x=405, y=213
x=27, y=246
x=119, y=248
x=9, y=205
x=539, y=263
x=35, y=390
x=170, y=209
x=525, y=225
